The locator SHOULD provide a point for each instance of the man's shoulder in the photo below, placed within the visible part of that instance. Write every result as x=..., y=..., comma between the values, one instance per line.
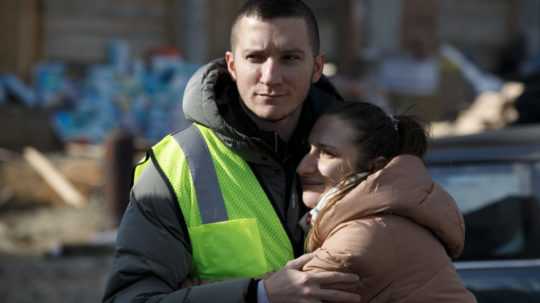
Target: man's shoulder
x=208, y=90
x=162, y=156
x=213, y=66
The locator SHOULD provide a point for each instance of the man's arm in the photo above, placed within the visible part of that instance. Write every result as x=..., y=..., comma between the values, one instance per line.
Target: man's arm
x=153, y=253
x=293, y=285
x=364, y=247
x=153, y=259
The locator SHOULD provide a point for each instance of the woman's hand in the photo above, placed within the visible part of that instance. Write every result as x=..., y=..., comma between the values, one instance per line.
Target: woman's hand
x=293, y=285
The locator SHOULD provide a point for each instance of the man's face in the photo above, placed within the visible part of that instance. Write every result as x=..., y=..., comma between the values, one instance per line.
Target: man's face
x=273, y=65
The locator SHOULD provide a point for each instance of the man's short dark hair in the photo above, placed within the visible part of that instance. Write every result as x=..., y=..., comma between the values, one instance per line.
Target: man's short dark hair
x=272, y=9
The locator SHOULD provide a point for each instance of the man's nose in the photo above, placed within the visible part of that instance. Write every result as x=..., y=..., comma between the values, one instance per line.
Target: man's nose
x=271, y=72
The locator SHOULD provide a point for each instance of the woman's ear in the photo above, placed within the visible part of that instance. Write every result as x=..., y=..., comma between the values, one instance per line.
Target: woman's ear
x=377, y=164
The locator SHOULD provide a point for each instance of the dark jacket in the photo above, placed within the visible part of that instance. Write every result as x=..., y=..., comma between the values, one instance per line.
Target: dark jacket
x=153, y=253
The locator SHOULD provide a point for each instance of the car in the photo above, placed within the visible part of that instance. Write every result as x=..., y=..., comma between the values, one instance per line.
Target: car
x=495, y=179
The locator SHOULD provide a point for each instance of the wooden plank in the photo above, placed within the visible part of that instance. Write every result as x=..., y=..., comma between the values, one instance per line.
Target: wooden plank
x=54, y=178
x=28, y=37
x=18, y=20
x=118, y=172
x=24, y=126
x=6, y=155
x=8, y=19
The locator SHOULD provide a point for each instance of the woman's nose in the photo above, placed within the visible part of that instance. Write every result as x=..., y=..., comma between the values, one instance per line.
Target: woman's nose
x=307, y=165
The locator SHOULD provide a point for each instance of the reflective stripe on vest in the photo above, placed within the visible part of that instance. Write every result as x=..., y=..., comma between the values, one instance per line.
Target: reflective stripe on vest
x=233, y=228
x=210, y=200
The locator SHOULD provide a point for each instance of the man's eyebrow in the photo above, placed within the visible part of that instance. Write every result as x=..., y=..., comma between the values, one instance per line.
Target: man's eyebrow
x=293, y=51
x=285, y=51
x=249, y=50
x=253, y=51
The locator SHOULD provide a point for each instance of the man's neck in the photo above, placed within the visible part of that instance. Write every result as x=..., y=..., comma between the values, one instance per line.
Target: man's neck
x=284, y=128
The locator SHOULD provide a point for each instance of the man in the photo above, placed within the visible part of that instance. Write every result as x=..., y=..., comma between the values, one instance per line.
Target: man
x=219, y=200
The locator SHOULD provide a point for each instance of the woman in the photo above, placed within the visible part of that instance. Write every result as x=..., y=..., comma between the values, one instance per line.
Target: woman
x=376, y=211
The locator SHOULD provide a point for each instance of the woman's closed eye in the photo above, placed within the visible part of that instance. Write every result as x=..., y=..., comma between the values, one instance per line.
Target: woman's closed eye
x=324, y=153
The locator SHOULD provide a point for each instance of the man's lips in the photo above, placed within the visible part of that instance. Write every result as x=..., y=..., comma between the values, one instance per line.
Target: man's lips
x=271, y=95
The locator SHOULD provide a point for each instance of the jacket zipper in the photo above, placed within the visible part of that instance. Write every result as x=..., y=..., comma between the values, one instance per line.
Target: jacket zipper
x=276, y=138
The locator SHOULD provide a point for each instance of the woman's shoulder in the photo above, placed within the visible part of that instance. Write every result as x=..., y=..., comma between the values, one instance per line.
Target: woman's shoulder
x=380, y=233
x=363, y=245
x=363, y=236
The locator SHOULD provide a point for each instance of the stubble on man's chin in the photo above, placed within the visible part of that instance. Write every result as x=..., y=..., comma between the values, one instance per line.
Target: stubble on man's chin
x=278, y=120
x=269, y=120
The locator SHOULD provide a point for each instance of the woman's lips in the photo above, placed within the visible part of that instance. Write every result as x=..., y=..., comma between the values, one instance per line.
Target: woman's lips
x=311, y=183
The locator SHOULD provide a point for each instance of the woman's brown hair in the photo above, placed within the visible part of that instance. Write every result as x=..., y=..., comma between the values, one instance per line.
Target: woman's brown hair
x=378, y=136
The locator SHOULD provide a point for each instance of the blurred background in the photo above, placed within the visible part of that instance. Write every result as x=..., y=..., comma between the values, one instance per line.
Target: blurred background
x=87, y=86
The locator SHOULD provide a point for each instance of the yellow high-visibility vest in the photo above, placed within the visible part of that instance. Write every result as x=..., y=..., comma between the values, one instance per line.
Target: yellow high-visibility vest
x=233, y=228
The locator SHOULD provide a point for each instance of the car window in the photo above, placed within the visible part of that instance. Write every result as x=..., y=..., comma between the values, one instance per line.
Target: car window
x=477, y=186
x=502, y=216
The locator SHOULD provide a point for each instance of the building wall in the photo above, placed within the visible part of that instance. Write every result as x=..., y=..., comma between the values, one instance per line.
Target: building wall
x=79, y=30
x=529, y=24
x=19, y=36
x=383, y=24
x=213, y=19
x=480, y=28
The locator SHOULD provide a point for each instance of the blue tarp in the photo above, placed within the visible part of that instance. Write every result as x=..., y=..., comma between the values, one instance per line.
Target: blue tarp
x=144, y=98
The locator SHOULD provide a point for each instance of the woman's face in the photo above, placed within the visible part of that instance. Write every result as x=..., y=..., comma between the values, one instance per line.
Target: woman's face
x=332, y=156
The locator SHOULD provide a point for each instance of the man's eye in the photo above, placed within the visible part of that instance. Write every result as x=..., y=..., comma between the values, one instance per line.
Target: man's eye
x=291, y=58
x=255, y=58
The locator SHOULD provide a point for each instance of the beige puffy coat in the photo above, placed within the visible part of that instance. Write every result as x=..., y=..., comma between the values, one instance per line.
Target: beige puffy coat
x=398, y=231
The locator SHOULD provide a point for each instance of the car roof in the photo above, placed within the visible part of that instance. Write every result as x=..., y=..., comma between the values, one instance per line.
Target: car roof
x=519, y=143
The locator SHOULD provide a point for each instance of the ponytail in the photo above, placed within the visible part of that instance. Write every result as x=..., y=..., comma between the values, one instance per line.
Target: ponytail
x=412, y=136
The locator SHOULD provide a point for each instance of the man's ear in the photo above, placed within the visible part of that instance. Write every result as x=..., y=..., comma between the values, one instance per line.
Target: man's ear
x=318, y=66
x=229, y=58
